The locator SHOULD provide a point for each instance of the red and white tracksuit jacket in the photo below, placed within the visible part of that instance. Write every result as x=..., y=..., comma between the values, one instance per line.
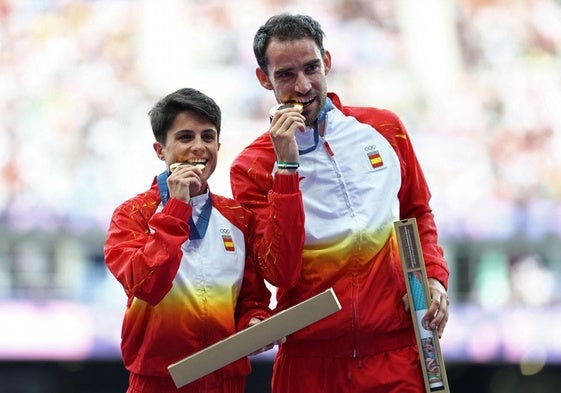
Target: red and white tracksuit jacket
x=183, y=295
x=362, y=176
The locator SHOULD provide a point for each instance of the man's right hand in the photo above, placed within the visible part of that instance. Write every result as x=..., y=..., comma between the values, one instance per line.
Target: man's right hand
x=284, y=124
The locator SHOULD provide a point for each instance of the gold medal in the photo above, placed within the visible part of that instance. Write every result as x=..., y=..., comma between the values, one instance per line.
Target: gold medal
x=277, y=107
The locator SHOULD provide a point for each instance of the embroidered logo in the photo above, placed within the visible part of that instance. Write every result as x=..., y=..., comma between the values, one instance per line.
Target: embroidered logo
x=227, y=240
x=374, y=156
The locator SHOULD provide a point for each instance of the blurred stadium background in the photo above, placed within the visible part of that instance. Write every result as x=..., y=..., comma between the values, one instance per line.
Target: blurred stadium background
x=476, y=82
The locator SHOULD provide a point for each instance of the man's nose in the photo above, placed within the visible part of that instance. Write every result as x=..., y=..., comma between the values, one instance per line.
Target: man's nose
x=303, y=84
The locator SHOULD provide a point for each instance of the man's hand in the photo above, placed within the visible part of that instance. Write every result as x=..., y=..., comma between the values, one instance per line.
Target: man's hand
x=437, y=314
x=284, y=125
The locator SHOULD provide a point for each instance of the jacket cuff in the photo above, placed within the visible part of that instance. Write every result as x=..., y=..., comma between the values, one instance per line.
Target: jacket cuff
x=286, y=183
x=178, y=208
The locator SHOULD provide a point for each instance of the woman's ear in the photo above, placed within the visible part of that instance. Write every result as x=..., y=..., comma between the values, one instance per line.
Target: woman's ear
x=159, y=149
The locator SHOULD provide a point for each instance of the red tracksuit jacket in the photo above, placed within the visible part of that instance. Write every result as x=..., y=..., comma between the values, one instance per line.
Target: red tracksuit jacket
x=331, y=225
x=183, y=295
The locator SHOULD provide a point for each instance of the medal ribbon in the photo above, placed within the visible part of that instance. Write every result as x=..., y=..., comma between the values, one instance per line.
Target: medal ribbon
x=326, y=108
x=198, y=229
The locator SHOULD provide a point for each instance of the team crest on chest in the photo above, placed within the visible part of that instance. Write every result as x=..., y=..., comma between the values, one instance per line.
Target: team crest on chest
x=227, y=240
x=374, y=157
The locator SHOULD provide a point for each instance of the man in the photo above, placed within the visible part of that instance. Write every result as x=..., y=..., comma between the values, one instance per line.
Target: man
x=354, y=172
x=183, y=256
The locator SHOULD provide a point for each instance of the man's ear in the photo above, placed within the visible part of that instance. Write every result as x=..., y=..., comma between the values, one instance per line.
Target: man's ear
x=263, y=78
x=327, y=62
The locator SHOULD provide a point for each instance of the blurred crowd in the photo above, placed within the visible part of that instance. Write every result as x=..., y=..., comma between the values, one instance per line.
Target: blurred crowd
x=476, y=82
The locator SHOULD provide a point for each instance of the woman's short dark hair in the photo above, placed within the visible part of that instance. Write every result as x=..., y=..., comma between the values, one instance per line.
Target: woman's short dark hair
x=163, y=114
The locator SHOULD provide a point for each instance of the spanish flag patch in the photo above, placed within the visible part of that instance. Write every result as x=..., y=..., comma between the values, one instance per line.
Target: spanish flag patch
x=375, y=159
x=228, y=241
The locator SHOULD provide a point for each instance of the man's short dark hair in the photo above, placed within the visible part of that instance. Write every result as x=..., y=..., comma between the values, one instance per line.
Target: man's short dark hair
x=286, y=27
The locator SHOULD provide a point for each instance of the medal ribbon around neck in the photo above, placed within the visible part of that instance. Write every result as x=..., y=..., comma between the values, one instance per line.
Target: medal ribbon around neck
x=197, y=229
x=326, y=108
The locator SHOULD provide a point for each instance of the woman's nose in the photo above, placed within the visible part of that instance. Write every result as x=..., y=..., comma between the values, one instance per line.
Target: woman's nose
x=197, y=143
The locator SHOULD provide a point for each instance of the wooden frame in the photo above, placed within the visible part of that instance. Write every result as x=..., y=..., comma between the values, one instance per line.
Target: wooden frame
x=254, y=338
x=418, y=295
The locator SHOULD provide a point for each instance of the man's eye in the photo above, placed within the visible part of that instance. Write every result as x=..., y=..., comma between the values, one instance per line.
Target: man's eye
x=312, y=68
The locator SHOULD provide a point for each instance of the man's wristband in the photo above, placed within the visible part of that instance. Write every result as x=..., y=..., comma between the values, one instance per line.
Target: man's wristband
x=287, y=165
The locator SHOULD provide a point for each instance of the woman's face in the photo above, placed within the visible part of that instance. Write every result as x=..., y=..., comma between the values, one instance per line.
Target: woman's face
x=192, y=139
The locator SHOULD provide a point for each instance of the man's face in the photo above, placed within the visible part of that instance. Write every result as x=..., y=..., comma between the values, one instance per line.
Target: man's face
x=297, y=72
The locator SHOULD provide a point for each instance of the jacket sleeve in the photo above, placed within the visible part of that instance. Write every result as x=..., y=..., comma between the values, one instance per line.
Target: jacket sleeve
x=143, y=249
x=414, y=197
x=254, y=297
x=279, y=213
